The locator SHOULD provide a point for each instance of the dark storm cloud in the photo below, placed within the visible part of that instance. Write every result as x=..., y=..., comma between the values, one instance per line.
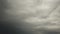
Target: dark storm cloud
x=30, y=16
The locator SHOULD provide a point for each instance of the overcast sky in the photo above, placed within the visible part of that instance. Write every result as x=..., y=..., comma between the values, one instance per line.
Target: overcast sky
x=32, y=15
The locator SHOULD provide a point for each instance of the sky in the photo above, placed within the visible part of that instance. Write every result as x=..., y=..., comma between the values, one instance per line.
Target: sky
x=31, y=16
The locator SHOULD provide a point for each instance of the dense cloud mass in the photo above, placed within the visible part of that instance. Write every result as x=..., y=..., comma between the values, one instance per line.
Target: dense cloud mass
x=31, y=16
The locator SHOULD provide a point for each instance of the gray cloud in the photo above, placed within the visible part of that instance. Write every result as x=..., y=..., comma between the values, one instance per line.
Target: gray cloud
x=31, y=16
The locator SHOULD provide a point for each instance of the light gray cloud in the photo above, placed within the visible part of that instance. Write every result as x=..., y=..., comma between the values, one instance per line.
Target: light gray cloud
x=32, y=16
